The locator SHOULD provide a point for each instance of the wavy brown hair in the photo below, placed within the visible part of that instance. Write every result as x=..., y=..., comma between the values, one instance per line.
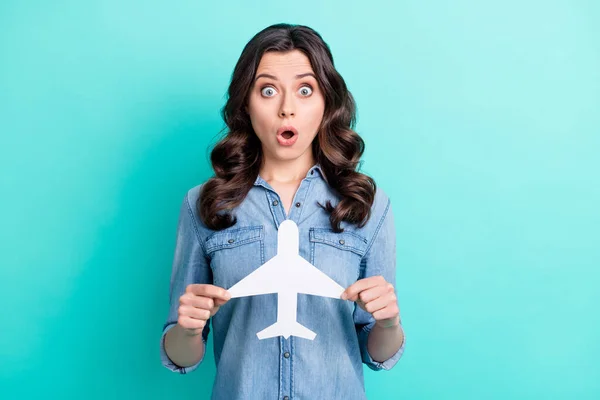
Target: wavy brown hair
x=237, y=157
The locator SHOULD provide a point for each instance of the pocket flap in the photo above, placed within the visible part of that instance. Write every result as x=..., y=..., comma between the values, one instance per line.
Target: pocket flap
x=344, y=240
x=233, y=238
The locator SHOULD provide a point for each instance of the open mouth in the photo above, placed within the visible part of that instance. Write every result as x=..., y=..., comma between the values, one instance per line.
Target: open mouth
x=287, y=134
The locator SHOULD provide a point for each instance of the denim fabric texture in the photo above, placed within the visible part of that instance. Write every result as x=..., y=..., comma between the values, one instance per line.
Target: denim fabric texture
x=331, y=365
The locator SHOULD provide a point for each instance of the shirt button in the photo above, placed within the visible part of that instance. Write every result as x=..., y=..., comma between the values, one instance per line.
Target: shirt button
x=286, y=398
x=231, y=241
x=286, y=354
x=342, y=241
x=298, y=204
x=275, y=202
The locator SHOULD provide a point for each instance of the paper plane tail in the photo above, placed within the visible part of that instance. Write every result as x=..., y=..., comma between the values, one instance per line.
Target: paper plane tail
x=286, y=330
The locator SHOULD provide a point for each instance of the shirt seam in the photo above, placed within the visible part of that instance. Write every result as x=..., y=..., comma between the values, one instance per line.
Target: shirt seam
x=196, y=231
x=377, y=230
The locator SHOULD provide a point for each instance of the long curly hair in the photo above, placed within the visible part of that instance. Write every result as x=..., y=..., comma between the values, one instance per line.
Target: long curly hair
x=237, y=157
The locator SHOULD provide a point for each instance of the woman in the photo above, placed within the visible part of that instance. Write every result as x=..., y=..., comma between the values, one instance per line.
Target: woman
x=290, y=153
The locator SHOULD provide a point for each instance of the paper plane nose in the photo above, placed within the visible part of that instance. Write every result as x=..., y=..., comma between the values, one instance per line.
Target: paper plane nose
x=287, y=238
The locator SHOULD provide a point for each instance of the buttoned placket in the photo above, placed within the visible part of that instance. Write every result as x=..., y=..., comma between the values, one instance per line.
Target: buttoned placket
x=286, y=371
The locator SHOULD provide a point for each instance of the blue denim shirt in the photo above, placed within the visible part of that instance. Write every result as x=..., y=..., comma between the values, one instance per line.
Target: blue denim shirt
x=331, y=365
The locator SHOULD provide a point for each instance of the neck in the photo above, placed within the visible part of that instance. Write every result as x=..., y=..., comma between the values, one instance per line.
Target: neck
x=286, y=171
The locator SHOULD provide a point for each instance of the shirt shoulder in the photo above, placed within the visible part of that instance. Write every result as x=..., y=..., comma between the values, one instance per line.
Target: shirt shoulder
x=379, y=209
x=381, y=201
x=193, y=194
x=190, y=201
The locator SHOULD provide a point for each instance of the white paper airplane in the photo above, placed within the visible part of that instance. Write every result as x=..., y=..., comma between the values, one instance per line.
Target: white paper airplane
x=287, y=274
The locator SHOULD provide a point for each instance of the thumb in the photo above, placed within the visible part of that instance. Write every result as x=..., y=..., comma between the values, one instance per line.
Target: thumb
x=219, y=302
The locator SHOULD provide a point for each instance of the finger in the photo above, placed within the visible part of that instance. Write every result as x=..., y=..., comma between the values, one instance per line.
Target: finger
x=205, y=303
x=214, y=310
x=373, y=293
x=193, y=312
x=369, y=295
x=197, y=301
x=220, y=302
x=191, y=323
x=210, y=291
x=388, y=312
x=380, y=303
x=352, y=291
x=207, y=290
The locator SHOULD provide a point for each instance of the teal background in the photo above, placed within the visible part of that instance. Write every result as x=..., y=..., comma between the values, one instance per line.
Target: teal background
x=481, y=121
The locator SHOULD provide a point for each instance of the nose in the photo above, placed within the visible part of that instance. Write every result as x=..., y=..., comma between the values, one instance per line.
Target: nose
x=287, y=108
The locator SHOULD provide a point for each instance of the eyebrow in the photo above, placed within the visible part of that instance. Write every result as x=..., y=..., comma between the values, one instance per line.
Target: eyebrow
x=275, y=78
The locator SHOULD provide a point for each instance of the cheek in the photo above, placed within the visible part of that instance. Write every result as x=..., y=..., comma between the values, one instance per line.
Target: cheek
x=261, y=121
x=315, y=113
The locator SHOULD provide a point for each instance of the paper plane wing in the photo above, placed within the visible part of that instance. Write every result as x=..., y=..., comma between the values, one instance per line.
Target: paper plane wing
x=264, y=280
x=308, y=279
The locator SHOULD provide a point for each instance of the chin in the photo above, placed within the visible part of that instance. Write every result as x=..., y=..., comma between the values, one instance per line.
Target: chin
x=288, y=153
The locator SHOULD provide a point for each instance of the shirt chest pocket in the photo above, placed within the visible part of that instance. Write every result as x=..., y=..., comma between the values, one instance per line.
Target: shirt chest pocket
x=235, y=253
x=338, y=255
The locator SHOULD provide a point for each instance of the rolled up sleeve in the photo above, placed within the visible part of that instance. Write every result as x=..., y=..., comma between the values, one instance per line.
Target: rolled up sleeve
x=190, y=265
x=363, y=336
x=380, y=259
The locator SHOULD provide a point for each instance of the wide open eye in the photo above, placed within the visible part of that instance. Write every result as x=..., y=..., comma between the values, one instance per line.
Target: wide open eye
x=268, y=91
x=306, y=91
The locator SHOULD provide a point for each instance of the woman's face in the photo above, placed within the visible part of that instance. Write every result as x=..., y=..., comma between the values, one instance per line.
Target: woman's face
x=285, y=95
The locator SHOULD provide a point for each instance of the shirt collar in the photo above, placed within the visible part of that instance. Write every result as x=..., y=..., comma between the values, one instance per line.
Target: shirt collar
x=312, y=173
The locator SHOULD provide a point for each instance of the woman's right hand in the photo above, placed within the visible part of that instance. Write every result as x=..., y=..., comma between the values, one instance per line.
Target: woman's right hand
x=198, y=304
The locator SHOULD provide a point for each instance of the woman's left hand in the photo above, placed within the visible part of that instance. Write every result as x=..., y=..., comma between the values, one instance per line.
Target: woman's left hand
x=376, y=296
